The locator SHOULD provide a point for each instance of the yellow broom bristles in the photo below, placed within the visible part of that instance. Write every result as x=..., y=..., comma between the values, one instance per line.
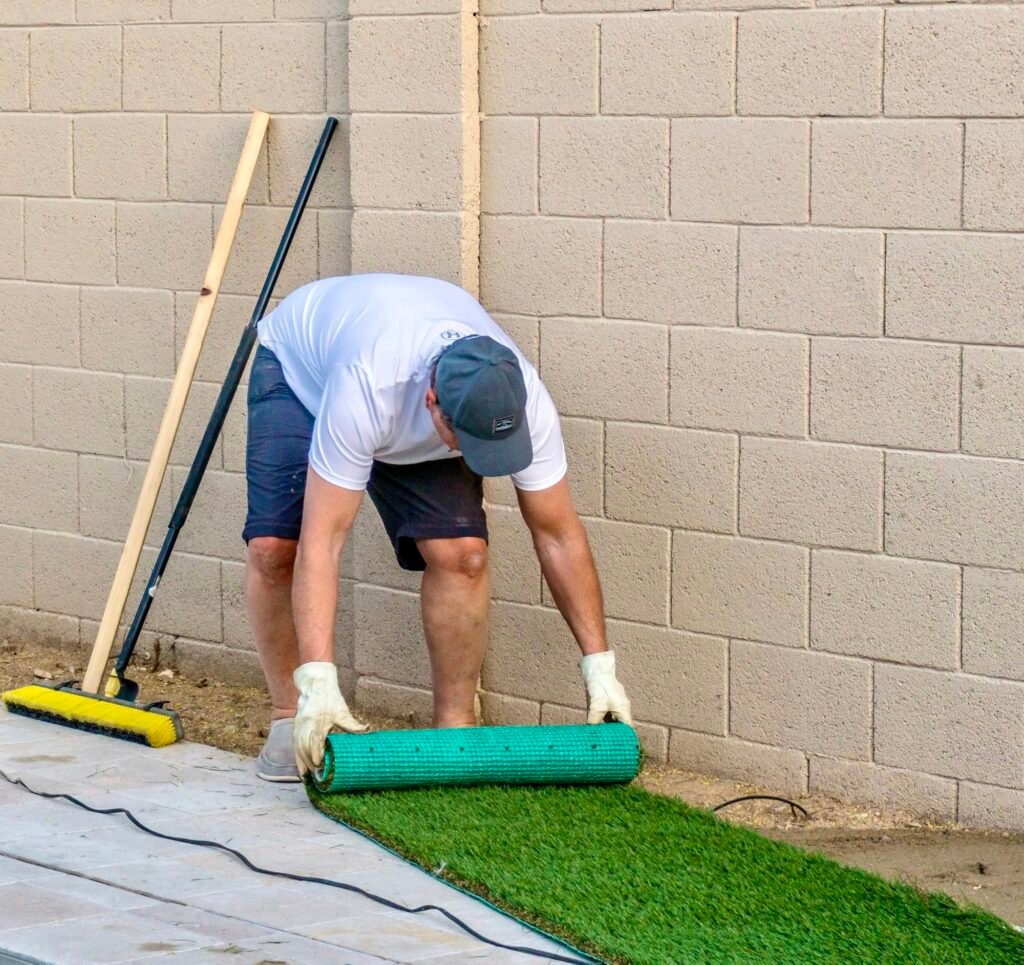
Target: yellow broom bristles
x=94, y=713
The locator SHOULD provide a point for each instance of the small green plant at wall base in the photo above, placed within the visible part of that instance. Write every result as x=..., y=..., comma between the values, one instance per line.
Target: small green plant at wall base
x=633, y=877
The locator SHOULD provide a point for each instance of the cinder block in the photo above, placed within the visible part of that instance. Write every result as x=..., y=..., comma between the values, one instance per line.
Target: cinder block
x=672, y=677
x=198, y=659
x=291, y=143
x=667, y=65
x=885, y=392
x=887, y=174
x=615, y=166
x=233, y=437
x=334, y=252
x=807, y=63
x=739, y=381
x=385, y=699
x=104, y=168
x=774, y=768
x=532, y=654
x=603, y=6
x=76, y=69
x=539, y=65
x=955, y=287
x=993, y=394
x=46, y=138
x=219, y=11
x=15, y=566
x=217, y=517
x=993, y=197
x=903, y=611
x=525, y=332
x=273, y=67
x=740, y=588
x=742, y=4
x=955, y=508
x=508, y=161
x=168, y=245
x=13, y=70
x=985, y=806
x=27, y=339
x=372, y=556
x=677, y=273
x=954, y=63
x=345, y=634
x=237, y=629
x=884, y=787
x=16, y=403
x=812, y=280
x=202, y=152
x=172, y=67
x=229, y=319
x=325, y=9
x=653, y=737
x=515, y=571
x=389, y=636
x=949, y=724
x=128, y=330
x=603, y=369
x=413, y=242
x=672, y=477
x=792, y=698
x=12, y=229
x=386, y=174
x=337, y=67
x=39, y=12
x=188, y=602
x=122, y=11
x=740, y=169
x=145, y=400
x=542, y=266
x=584, y=450
x=70, y=241
x=79, y=411
x=255, y=243
x=500, y=710
x=633, y=564
x=108, y=491
x=38, y=628
x=404, y=64
x=492, y=7
x=992, y=605
x=55, y=555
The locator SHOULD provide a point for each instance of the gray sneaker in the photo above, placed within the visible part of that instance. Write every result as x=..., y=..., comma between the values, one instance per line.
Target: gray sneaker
x=277, y=759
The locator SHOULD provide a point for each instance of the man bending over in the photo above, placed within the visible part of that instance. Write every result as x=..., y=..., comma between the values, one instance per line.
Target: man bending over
x=406, y=388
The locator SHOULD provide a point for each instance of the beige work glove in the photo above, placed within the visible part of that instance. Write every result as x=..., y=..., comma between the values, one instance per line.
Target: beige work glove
x=605, y=691
x=321, y=709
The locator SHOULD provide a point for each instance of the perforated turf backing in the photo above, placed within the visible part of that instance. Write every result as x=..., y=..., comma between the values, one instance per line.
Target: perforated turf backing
x=634, y=877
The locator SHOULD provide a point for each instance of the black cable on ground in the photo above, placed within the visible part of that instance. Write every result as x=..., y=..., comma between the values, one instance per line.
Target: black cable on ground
x=387, y=902
x=764, y=797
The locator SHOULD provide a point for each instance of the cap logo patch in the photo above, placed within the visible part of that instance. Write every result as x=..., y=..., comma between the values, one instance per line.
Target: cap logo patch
x=504, y=423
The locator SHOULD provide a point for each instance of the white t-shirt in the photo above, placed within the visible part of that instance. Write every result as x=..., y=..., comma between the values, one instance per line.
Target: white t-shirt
x=358, y=350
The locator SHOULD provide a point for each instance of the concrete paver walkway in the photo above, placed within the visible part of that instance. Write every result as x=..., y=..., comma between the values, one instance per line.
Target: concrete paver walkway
x=81, y=887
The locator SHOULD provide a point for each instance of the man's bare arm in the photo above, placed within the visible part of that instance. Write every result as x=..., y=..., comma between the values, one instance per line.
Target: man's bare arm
x=327, y=517
x=566, y=561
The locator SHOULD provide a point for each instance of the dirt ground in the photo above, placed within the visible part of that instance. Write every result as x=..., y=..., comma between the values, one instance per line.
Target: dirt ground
x=983, y=868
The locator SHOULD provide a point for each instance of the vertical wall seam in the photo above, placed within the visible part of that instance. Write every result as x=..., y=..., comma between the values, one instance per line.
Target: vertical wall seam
x=469, y=104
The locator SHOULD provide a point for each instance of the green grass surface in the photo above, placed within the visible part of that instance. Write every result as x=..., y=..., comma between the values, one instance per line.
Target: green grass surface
x=633, y=877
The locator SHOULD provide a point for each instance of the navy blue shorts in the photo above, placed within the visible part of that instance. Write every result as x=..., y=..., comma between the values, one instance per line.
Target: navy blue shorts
x=441, y=499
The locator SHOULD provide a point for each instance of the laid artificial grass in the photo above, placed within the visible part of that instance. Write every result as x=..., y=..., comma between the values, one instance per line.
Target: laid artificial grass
x=633, y=877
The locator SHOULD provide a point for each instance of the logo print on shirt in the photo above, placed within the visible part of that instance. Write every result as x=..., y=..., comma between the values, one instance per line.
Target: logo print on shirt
x=451, y=334
x=504, y=424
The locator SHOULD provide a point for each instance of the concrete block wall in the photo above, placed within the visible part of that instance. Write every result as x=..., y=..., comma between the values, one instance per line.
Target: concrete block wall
x=767, y=257
x=120, y=127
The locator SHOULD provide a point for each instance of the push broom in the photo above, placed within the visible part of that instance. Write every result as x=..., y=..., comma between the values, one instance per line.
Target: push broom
x=115, y=712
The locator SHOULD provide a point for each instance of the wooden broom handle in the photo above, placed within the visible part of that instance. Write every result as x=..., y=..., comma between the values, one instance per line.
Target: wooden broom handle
x=175, y=405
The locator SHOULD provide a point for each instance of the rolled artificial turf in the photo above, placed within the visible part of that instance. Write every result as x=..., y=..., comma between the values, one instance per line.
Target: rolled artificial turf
x=563, y=754
x=633, y=877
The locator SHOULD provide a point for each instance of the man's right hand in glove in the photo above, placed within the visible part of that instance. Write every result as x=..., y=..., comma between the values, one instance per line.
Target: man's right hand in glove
x=321, y=709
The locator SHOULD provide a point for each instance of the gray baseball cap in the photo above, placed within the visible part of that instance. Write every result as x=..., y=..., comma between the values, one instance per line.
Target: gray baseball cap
x=480, y=389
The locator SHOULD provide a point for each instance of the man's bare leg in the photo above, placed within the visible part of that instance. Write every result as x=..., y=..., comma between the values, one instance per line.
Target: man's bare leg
x=456, y=596
x=268, y=594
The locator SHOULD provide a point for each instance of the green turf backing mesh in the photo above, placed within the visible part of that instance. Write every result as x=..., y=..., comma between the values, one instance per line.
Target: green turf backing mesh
x=638, y=878
x=556, y=754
